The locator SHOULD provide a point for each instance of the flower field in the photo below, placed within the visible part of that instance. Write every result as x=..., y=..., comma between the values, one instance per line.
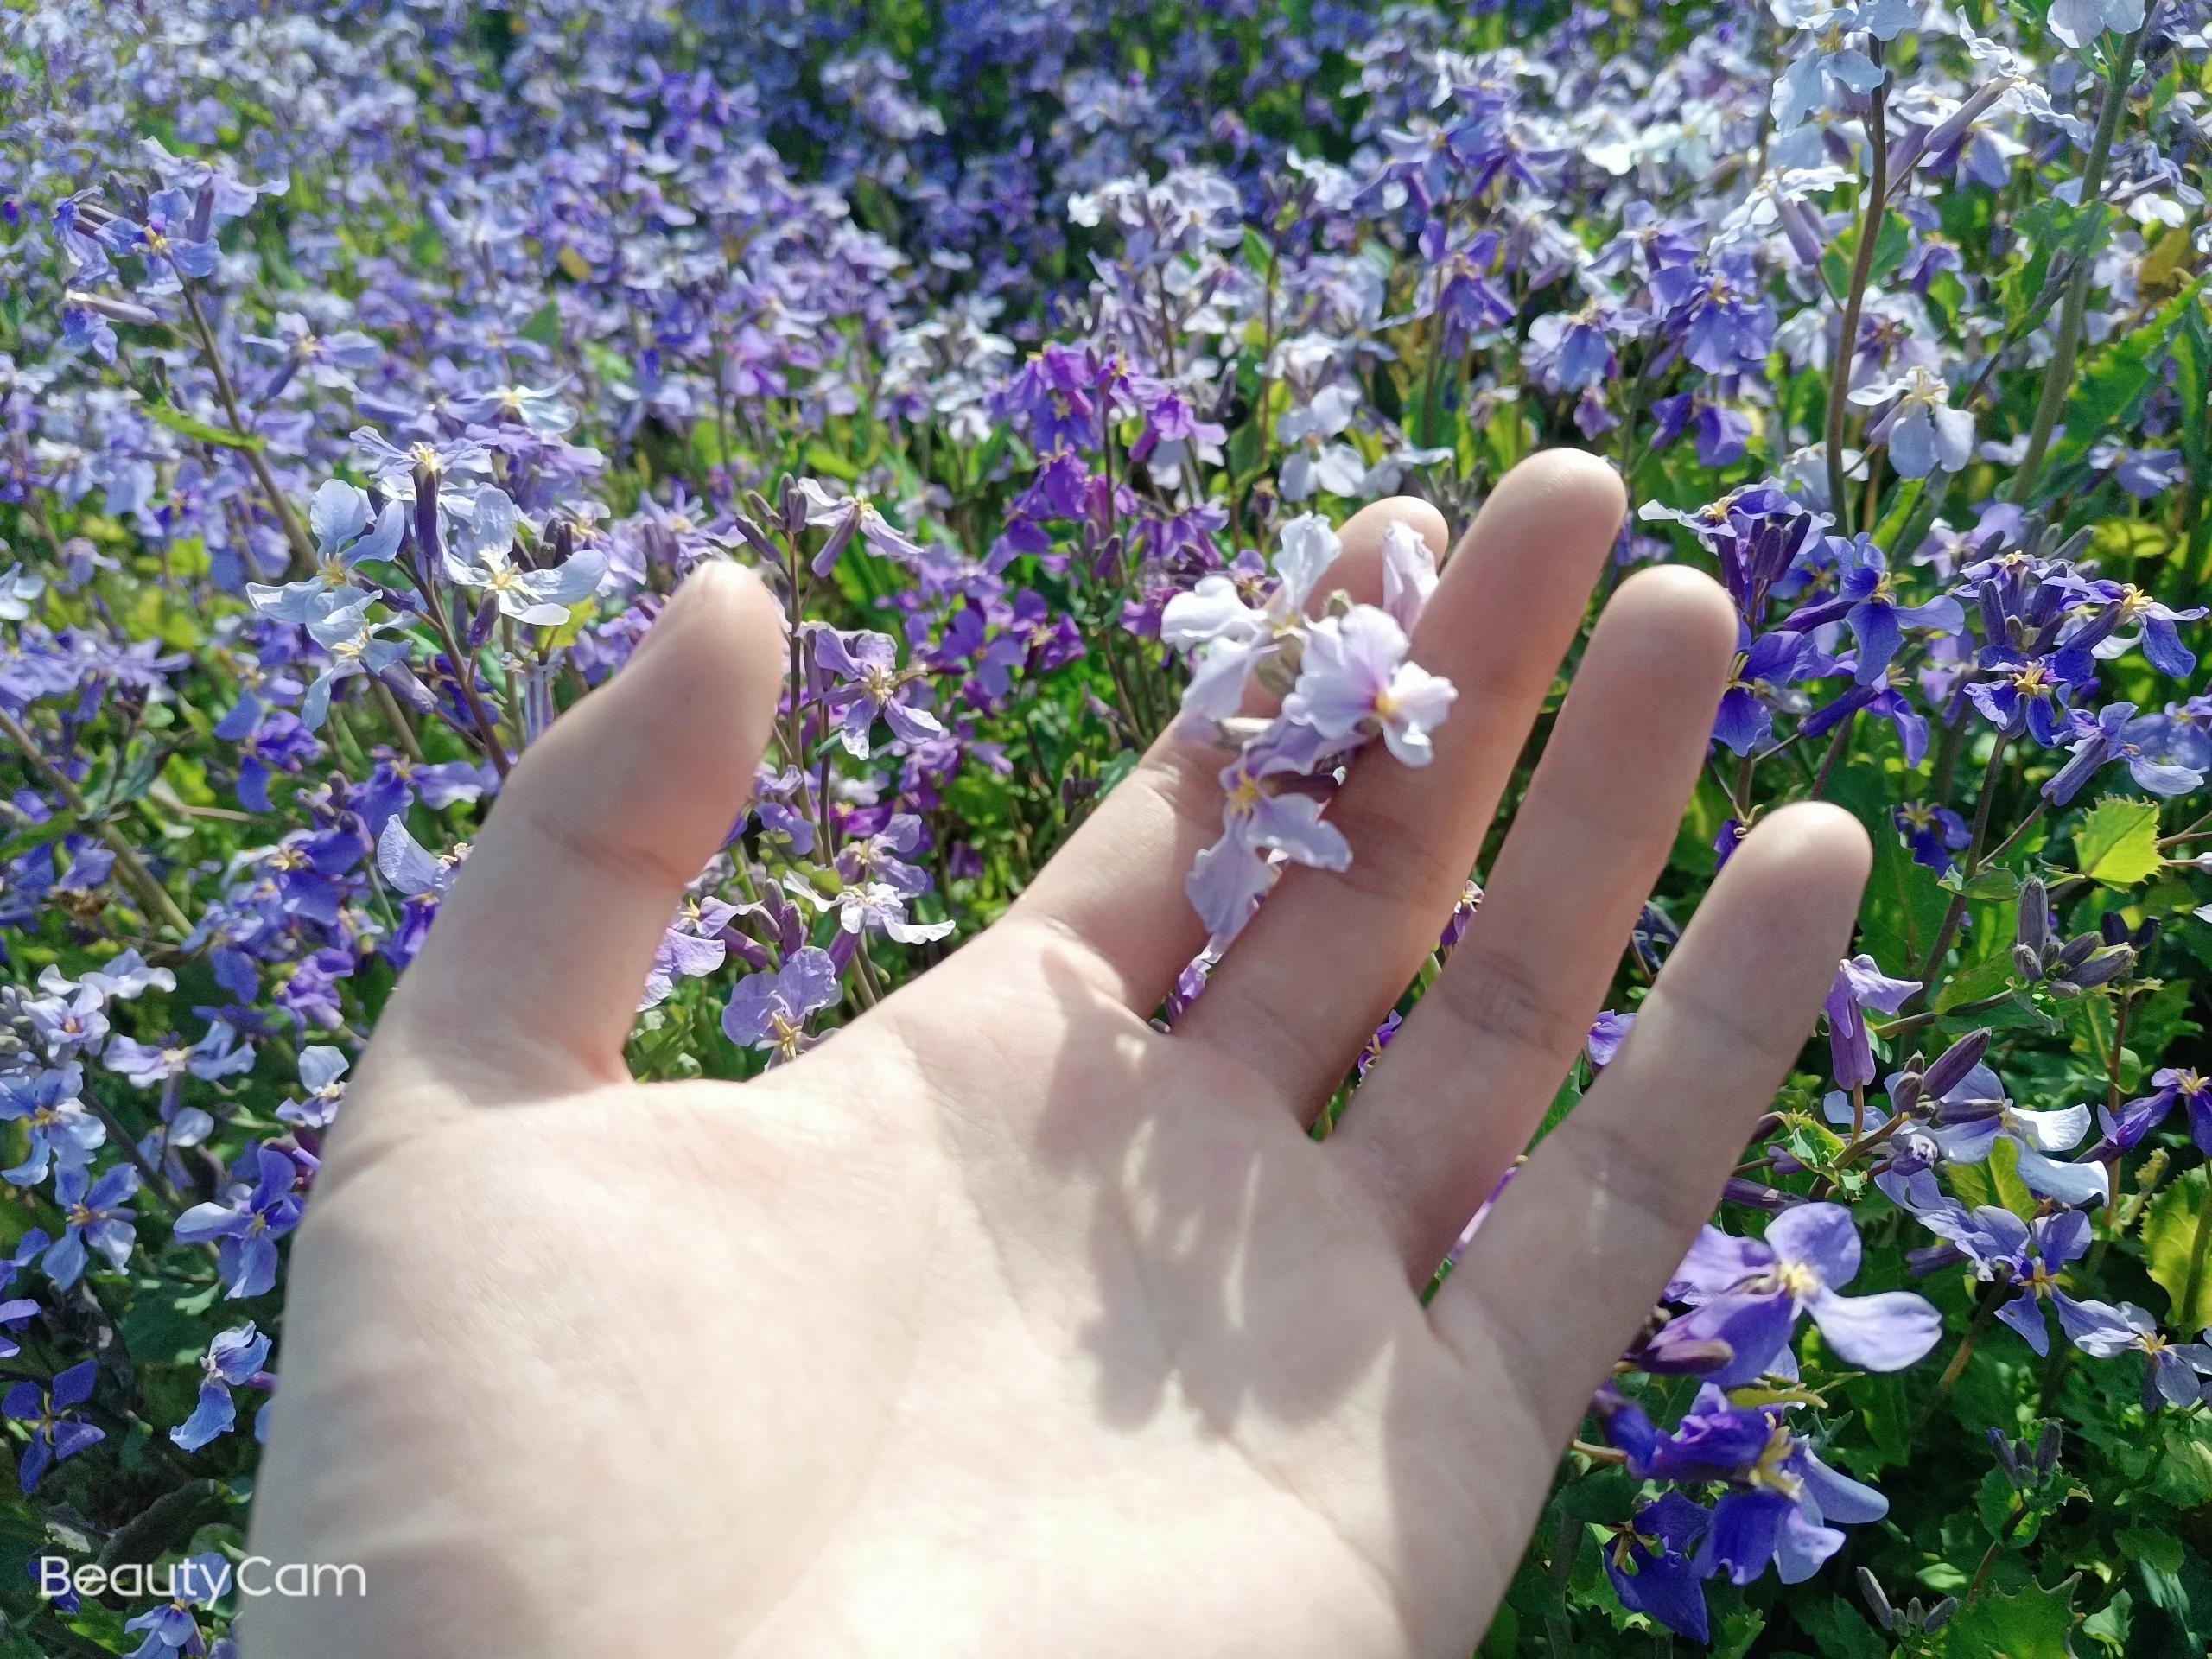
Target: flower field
x=371, y=374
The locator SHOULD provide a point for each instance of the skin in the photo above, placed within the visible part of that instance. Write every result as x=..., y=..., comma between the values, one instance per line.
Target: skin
x=1003, y=1323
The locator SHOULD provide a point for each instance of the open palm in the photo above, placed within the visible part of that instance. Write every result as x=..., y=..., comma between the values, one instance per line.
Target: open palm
x=1004, y=1322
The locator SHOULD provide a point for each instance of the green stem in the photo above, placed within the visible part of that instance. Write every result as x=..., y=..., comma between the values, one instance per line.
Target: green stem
x=1873, y=206
x=150, y=892
x=2059, y=375
x=1973, y=866
x=295, y=531
x=2199, y=1246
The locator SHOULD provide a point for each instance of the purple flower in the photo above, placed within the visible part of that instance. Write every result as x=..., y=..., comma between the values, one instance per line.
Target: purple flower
x=2029, y=1256
x=68, y=1019
x=57, y=1433
x=1933, y=832
x=235, y=1358
x=1859, y=984
x=2113, y=733
x=844, y=515
x=1607, y=1033
x=480, y=557
x=95, y=1213
x=1922, y=430
x=1781, y=1496
x=414, y=869
x=346, y=534
x=1749, y=1294
x=16, y=1311
x=323, y=1073
x=1825, y=66
x=2158, y=636
x=59, y=1130
x=165, y=236
x=1765, y=668
x=146, y=1066
x=1866, y=600
x=1230, y=639
x=2079, y=21
x=1354, y=679
x=172, y=1628
x=2029, y=694
x=2174, y=1373
x=1649, y=1562
x=2171, y=1087
x=692, y=948
x=872, y=688
x=1971, y=1117
x=248, y=1223
x=770, y=1010
x=443, y=465
x=341, y=626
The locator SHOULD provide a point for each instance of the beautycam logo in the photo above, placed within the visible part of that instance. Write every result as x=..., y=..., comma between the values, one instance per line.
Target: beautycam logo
x=200, y=1581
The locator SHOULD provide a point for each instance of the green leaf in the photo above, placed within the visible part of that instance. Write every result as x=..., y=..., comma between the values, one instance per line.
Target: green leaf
x=1995, y=886
x=2161, y=1549
x=2118, y=380
x=1563, y=1103
x=1997, y=1181
x=2033, y=1625
x=1737, y=1633
x=2169, y=1239
x=2110, y=1624
x=1984, y=979
x=1840, y=1630
x=2118, y=842
x=1993, y=1502
x=544, y=327
x=177, y=420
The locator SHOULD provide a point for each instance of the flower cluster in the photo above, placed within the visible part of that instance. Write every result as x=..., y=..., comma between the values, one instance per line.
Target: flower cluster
x=1343, y=679
x=370, y=377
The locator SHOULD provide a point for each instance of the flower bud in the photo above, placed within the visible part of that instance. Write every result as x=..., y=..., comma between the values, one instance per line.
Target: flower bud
x=1907, y=1090
x=1951, y=1068
x=840, y=538
x=430, y=541
x=1995, y=626
x=2032, y=932
x=1939, y=1614
x=748, y=526
x=2083, y=634
x=1953, y=128
x=2075, y=951
x=1802, y=227
x=1754, y=1196
x=1870, y=1590
x=114, y=310
x=408, y=689
x=480, y=625
x=2104, y=967
x=2047, y=1447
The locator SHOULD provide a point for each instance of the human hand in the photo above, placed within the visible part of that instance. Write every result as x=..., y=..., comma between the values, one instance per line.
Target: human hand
x=1005, y=1323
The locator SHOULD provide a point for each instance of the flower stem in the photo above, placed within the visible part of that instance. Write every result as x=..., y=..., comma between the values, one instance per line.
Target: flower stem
x=2058, y=376
x=1871, y=207
x=1999, y=1287
x=295, y=531
x=150, y=892
x=1973, y=866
